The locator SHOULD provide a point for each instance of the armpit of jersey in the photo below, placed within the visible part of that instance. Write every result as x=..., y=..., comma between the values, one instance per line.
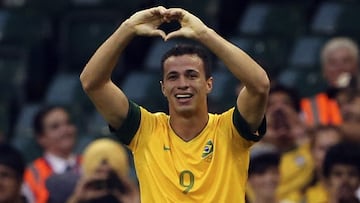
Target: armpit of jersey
x=244, y=129
x=130, y=125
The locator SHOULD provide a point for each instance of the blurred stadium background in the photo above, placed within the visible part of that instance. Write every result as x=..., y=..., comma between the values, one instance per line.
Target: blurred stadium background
x=44, y=44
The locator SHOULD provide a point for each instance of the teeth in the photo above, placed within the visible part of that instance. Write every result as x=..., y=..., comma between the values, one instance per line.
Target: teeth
x=179, y=96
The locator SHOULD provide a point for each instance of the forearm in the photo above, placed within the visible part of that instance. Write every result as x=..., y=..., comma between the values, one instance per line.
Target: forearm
x=237, y=61
x=98, y=70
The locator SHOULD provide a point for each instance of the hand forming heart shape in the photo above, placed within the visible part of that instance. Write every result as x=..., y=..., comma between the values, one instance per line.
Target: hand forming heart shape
x=147, y=23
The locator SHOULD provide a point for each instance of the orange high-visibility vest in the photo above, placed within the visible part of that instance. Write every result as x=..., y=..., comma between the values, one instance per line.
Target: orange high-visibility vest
x=36, y=175
x=321, y=110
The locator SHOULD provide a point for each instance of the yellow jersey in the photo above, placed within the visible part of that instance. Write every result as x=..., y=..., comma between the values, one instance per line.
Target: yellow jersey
x=212, y=167
x=296, y=171
x=316, y=194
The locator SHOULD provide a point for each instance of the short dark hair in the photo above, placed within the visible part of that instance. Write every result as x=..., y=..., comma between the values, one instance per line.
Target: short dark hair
x=344, y=153
x=12, y=158
x=291, y=92
x=183, y=49
x=260, y=163
x=38, y=121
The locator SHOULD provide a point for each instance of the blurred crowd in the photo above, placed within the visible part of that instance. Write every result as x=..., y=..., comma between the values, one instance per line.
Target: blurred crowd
x=310, y=153
x=311, y=149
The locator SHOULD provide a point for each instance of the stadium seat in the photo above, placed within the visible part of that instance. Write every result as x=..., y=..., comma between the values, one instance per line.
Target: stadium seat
x=306, y=52
x=66, y=90
x=97, y=126
x=23, y=133
x=270, y=53
x=325, y=19
x=19, y=27
x=223, y=94
x=13, y=67
x=337, y=18
x=307, y=82
x=144, y=88
x=271, y=20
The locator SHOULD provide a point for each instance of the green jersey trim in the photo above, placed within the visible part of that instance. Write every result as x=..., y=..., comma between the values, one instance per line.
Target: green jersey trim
x=130, y=125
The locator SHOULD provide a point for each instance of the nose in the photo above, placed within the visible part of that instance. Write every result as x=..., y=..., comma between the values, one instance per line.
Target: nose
x=183, y=83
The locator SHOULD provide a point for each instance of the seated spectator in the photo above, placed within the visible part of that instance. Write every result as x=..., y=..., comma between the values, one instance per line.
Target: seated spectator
x=287, y=133
x=105, y=175
x=340, y=66
x=56, y=134
x=341, y=170
x=322, y=138
x=351, y=116
x=12, y=166
x=264, y=175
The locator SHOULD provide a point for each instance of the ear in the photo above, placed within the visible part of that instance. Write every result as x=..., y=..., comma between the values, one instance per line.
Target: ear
x=209, y=84
x=162, y=87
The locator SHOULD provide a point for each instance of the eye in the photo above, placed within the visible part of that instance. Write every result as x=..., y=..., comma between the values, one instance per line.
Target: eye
x=192, y=75
x=172, y=77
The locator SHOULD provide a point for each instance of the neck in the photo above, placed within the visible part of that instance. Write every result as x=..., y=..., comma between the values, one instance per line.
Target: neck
x=188, y=128
x=63, y=155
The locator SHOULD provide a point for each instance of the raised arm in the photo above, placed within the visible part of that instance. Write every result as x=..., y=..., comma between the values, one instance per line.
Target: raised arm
x=252, y=99
x=109, y=100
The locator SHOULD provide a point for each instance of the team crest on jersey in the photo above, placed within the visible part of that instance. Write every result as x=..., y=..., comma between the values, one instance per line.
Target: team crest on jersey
x=208, y=150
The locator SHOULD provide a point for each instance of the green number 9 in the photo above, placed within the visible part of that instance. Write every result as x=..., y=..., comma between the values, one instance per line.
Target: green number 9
x=186, y=179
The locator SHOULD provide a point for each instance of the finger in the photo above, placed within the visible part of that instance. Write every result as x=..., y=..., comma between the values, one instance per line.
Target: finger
x=174, y=34
x=158, y=32
x=174, y=14
x=159, y=11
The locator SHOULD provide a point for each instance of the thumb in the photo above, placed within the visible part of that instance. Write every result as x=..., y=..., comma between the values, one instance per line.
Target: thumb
x=158, y=32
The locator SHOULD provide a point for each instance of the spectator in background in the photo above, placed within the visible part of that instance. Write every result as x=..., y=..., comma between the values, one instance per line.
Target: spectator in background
x=264, y=175
x=105, y=175
x=340, y=66
x=56, y=135
x=12, y=166
x=351, y=116
x=322, y=138
x=285, y=128
x=341, y=170
x=287, y=133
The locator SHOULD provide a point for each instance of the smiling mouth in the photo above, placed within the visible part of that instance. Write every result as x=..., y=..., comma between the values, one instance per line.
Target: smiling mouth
x=183, y=96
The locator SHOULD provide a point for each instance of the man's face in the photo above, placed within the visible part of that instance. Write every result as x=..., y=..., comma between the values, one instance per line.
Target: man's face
x=59, y=133
x=279, y=114
x=10, y=184
x=351, y=110
x=324, y=139
x=337, y=62
x=184, y=84
x=343, y=181
x=265, y=184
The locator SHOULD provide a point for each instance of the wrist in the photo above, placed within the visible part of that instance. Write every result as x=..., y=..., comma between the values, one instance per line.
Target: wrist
x=127, y=29
x=203, y=35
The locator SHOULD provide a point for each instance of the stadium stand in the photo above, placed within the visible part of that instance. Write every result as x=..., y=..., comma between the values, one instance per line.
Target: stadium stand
x=45, y=44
